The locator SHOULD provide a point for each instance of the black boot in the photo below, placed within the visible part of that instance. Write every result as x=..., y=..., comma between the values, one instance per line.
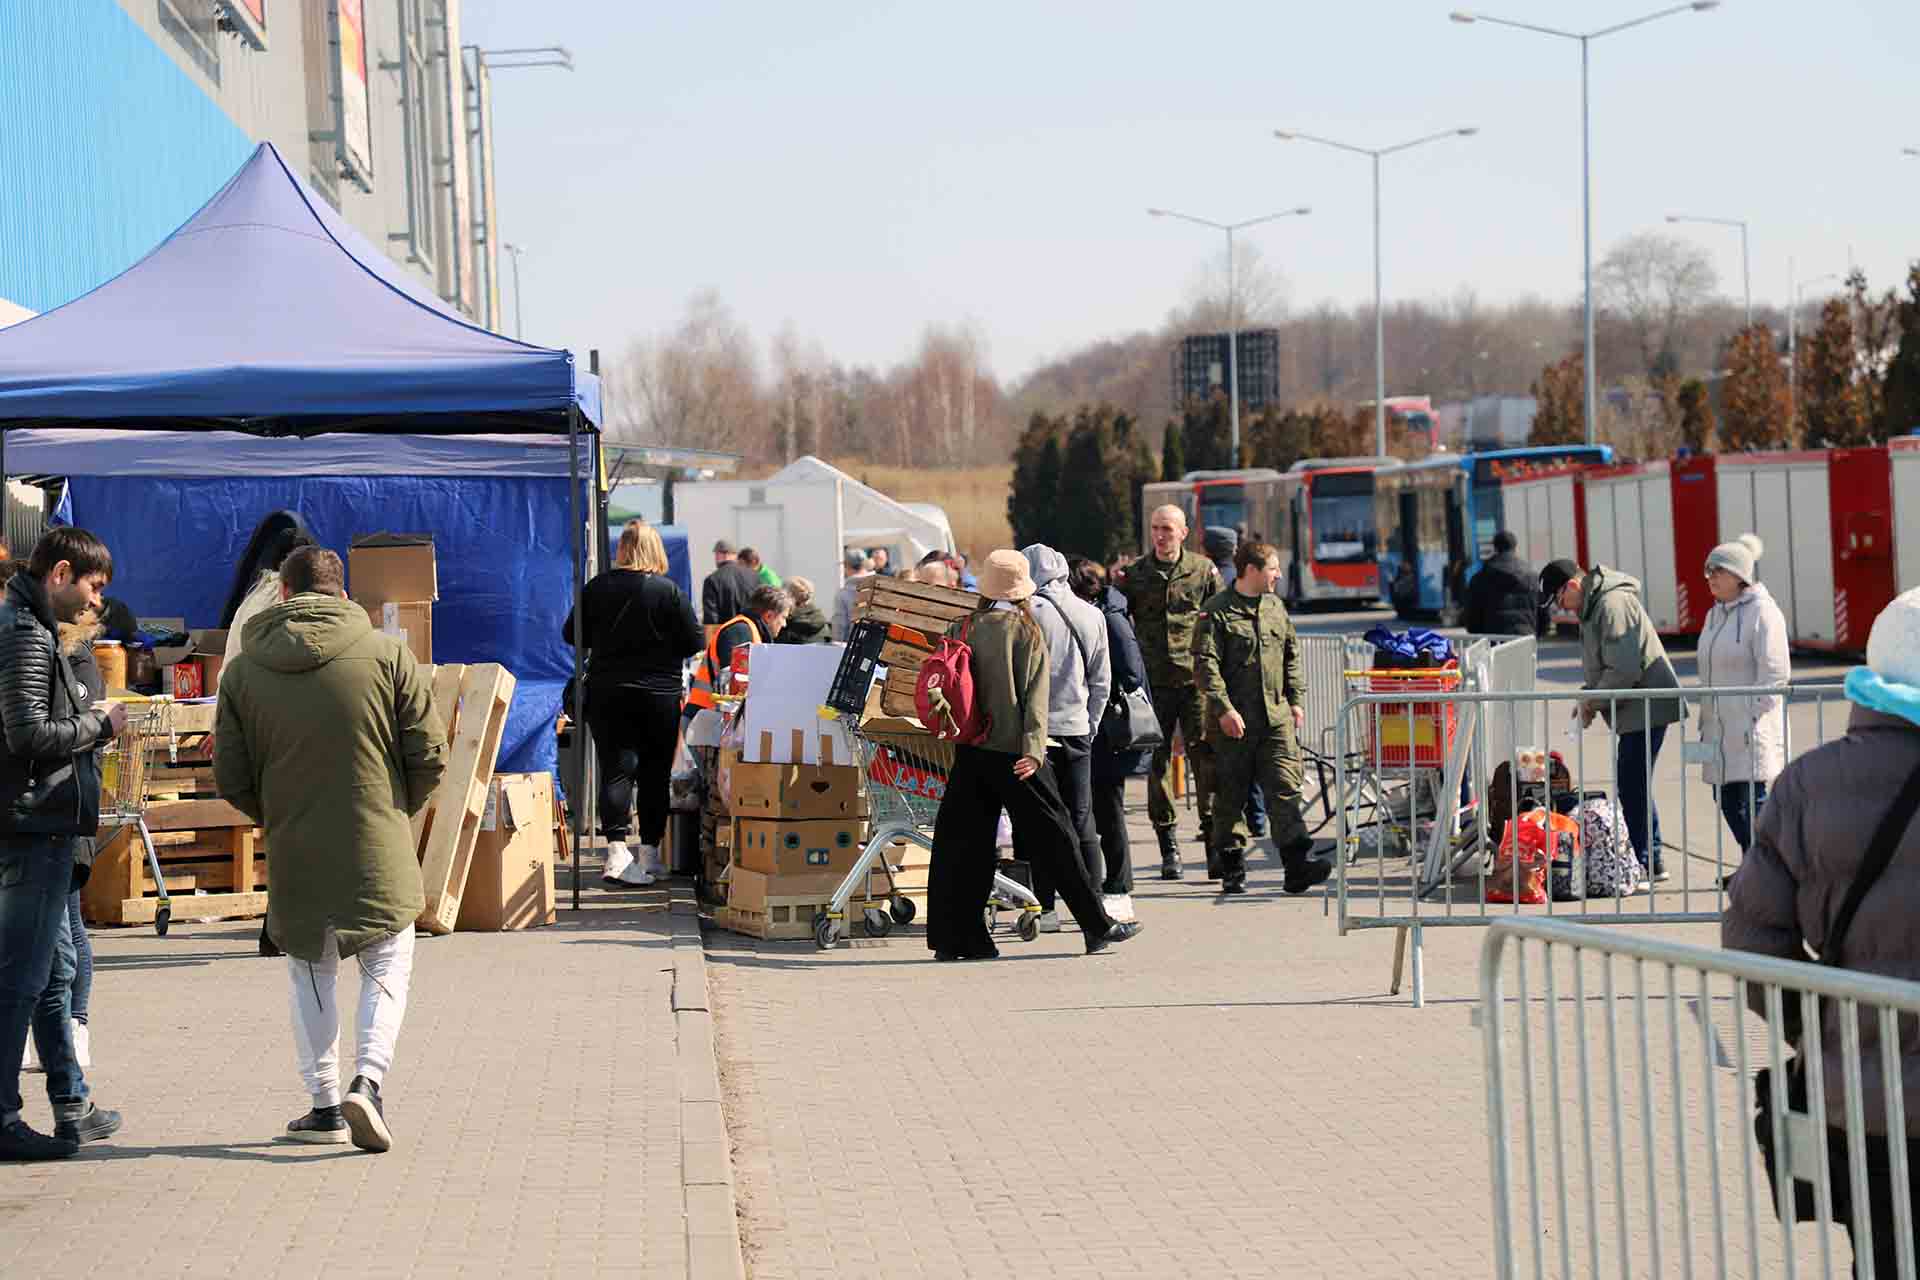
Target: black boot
x=1170, y=868
x=1303, y=870
x=95, y=1124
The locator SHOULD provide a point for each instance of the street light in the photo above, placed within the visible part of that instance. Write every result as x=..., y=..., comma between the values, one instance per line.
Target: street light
x=1746, y=277
x=1233, y=327
x=1379, y=324
x=1586, y=155
x=516, y=251
x=1794, y=288
x=480, y=140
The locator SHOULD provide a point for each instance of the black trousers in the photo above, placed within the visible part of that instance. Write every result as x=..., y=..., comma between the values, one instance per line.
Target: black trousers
x=633, y=736
x=1072, y=765
x=960, y=874
x=1110, y=818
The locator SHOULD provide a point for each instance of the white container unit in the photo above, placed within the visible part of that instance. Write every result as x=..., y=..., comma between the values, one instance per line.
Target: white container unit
x=1904, y=454
x=1784, y=498
x=1630, y=528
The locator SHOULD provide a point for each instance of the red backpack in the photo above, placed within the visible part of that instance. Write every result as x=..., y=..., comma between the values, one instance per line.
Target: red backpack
x=943, y=694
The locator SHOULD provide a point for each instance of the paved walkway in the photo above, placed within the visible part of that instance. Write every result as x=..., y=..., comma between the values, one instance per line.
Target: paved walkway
x=535, y=1104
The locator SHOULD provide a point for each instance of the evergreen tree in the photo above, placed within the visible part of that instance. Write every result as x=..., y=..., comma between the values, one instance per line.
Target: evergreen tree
x=1834, y=412
x=1757, y=411
x=1902, y=383
x=1093, y=516
x=1207, y=435
x=1173, y=456
x=1035, y=491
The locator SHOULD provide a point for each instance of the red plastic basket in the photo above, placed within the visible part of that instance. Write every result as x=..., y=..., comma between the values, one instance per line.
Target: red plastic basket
x=1412, y=734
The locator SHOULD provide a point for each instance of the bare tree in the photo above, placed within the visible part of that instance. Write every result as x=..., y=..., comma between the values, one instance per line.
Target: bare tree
x=697, y=387
x=1258, y=296
x=1655, y=284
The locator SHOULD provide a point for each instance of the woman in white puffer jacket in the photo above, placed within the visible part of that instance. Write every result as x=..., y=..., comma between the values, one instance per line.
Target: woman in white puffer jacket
x=1742, y=645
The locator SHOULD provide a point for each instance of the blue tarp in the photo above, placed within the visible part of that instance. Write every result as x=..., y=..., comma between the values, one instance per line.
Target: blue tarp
x=267, y=309
x=501, y=546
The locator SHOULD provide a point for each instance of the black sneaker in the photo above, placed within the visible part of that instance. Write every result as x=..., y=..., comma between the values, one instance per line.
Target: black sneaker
x=1305, y=874
x=325, y=1126
x=1119, y=933
x=366, y=1118
x=94, y=1126
x=19, y=1141
x=1233, y=885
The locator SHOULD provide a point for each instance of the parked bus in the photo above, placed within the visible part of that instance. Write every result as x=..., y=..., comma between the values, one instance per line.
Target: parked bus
x=1435, y=519
x=1211, y=499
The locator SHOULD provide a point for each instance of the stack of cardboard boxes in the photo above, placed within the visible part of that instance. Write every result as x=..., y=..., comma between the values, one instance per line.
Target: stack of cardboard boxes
x=393, y=577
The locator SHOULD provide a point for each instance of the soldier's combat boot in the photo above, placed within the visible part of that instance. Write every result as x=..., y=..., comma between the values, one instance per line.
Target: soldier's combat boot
x=1169, y=853
x=1303, y=870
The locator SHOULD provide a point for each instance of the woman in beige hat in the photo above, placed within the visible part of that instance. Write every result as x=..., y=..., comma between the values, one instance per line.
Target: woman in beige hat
x=1006, y=770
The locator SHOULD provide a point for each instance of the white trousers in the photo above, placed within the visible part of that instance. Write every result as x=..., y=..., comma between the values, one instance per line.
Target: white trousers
x=386, y=968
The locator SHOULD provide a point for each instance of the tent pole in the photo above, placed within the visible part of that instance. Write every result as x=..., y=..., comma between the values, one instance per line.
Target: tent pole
x=596, y=520
x=578, y=710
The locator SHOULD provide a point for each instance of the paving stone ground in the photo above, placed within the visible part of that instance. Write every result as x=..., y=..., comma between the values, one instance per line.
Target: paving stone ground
x=533, y=1101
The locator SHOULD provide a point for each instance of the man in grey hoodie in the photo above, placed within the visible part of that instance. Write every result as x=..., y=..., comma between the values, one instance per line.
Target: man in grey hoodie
x=1619, y=649
x=1081, y=680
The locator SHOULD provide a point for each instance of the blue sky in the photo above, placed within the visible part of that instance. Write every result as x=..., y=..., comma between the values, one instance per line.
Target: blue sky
x=862, y=170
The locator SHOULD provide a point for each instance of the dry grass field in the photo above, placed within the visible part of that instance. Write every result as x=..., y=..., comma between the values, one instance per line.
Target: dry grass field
x=975, y=498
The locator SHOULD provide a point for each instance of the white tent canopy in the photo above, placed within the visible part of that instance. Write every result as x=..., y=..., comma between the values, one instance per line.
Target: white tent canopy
x=870, y=517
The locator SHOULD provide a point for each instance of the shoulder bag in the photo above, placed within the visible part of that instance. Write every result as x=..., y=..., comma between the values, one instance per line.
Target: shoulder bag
x=1129, y=722
x=1886, y=839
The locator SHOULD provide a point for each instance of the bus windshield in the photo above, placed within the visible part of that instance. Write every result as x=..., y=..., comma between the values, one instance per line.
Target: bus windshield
x=1222, y=506
x=1342, y=518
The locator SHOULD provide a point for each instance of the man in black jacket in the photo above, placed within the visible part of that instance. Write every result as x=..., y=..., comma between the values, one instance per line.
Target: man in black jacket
x=727, y=589
x=49, y=795
x=1504, y=597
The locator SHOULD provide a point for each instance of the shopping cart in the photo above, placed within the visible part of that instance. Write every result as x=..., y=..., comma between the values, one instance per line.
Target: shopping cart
x=906, y=773
x=124, y=761
x=1408, y=772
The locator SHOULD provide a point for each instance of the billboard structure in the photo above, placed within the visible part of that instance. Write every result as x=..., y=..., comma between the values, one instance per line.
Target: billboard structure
x=246, y=19
x=353, y=114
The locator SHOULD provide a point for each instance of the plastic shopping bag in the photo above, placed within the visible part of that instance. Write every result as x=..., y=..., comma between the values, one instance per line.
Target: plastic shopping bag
x=1531, y=843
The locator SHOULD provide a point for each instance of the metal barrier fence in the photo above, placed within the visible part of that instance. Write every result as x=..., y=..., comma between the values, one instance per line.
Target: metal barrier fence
x=1634, y=1150
x=1432, y=777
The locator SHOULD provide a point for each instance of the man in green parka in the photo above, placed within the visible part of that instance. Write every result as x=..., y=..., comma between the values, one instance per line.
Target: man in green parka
x=327, y=737
x=1247, y=666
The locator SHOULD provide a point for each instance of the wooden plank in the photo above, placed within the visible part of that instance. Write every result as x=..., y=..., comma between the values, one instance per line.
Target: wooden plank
x=445, y=679
x=211, y=906
x=903, y=657
x=931, y=627
x=193, y=815
x=944, y=598
x=486, y=691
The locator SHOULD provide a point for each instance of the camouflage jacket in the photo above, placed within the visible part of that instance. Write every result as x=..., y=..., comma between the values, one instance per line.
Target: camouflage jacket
x=1165, y=599
x=1247, y=659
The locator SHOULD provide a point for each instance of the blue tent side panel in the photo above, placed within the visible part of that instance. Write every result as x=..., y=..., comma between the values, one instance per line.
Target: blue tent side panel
x=679, y=563
x=501, y=545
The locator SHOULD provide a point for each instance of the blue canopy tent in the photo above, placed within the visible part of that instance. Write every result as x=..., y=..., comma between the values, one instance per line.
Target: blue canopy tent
x=268, y=314
x=679, y=562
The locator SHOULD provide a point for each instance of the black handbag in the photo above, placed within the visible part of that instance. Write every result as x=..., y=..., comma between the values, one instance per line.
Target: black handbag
x=1886, y=838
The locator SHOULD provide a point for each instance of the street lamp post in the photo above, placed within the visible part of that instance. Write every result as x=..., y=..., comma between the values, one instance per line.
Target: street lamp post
x=516, y=251
x=1794, y=288
x=1746, y=276
x=1233, y=326
x=485, y=63
x=1379, y=323
x=1586, y=158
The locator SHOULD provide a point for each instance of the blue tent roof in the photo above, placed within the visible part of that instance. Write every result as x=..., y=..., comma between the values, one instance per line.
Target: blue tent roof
x=268, y=312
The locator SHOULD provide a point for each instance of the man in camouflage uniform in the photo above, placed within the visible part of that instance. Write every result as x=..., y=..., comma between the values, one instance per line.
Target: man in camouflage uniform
x=1246, y=660
x=1165, y=591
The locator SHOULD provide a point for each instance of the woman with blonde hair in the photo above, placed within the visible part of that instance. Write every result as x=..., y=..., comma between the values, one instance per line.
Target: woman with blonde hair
x=639, y=630
x=1006, y=770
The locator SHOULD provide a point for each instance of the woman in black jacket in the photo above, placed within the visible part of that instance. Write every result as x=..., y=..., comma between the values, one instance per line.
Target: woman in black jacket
x=1111, y=768
x=639, y=632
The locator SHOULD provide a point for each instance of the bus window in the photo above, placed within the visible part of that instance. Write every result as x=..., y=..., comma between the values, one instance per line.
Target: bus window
x=1488, y=505
x=1341, y=518
x=1222, y=506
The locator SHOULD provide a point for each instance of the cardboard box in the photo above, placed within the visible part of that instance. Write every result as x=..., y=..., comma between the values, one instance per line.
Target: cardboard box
x=392, y=566
x=510, y=881
x=797, y=791
x=783, y=908
x=206, y=641
x=409, y=621
x=808, y=849
x=783, y=724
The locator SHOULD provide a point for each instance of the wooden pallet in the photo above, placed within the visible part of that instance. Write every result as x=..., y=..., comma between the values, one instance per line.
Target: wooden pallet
x=446, y=854
x=445, y=680
x=211, y=857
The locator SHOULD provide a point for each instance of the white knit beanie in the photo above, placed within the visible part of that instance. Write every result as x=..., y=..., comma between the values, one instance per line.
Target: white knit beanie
x=1893, y=646
x=1740, y=558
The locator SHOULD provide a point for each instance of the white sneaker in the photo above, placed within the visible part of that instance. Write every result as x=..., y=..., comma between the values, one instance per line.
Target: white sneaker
x=636, y=873
x=30, y=1061
x=1050, y=921
x=82, y=1051
x=1119, y=906
x=619, y=858
x=650, y=860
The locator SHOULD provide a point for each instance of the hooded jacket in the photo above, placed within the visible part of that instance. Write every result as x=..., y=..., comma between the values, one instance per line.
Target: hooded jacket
x=1220, y=543
x=1504, y=598
x=1080, y=685
x=1820, y=815
x=327, y=737
x=1129, y=671
x=1744, y=644
x=1619, y=649
x=805, y=625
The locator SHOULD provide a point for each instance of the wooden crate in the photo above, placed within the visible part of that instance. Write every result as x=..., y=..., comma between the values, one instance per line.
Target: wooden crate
x=446, y=852
x=202, y=844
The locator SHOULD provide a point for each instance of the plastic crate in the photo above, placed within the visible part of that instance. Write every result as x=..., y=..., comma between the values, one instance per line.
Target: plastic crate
x=1412, y=734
